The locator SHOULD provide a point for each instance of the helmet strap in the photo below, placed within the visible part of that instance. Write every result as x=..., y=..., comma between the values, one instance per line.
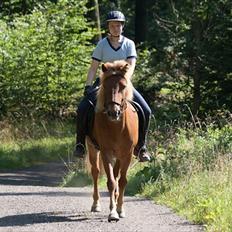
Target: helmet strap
x=115, y=36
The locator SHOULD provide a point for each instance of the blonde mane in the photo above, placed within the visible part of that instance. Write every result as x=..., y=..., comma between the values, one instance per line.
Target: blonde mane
x=120, y=68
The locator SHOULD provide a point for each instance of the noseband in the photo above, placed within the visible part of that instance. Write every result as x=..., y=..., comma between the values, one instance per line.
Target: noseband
x=122, y=105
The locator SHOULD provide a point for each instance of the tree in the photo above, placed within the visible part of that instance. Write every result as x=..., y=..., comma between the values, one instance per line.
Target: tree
x=10, y=8
x=44, y=58
x=94, y=16
x=140, y=21
x=192, y=39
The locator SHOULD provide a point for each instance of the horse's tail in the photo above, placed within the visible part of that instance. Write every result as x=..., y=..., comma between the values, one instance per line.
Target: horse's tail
x=99, y=164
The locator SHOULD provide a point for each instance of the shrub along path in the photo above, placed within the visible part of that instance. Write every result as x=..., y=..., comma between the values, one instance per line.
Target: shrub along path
x=30, y=202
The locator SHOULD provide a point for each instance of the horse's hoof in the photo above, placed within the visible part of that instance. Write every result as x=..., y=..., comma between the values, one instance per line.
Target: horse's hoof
x=122, y=214
x=96, y=208
x=113, y=217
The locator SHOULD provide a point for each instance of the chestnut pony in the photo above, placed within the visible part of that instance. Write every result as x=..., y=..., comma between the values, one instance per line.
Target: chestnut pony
x=116, y=132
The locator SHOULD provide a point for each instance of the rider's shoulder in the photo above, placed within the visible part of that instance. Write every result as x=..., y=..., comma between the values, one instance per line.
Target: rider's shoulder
x=128, y=41
x=102, y=41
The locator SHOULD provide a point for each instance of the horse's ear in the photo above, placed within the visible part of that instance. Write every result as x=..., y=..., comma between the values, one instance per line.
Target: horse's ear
x=104, y=68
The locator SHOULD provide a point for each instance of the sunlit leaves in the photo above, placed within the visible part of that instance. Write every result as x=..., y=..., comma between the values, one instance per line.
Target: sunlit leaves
x=44, y=58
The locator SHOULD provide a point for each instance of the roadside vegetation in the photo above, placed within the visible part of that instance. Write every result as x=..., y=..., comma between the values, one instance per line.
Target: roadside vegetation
x=191, y=174
x=29, y=143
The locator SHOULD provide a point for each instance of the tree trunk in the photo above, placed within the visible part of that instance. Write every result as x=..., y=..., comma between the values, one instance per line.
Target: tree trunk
x=95, y=16
x=197, y=37
x=98, y=21
x=140, y=21
x=196, y=88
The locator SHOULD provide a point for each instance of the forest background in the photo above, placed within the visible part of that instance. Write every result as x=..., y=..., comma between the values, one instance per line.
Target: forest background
x=183, y=71
x=184, y=54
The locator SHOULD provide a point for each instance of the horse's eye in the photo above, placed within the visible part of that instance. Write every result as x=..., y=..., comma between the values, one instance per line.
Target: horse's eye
x=122, y=84
x=122, y=87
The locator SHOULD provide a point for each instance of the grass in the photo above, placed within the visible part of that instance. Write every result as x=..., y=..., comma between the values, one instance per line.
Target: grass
x=77, y=176
x=204, y=197
x=30, y=152
x=28, y=143
x=192, y=174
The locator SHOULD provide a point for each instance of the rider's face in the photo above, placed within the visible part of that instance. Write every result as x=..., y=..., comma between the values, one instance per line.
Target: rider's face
x=115, y=28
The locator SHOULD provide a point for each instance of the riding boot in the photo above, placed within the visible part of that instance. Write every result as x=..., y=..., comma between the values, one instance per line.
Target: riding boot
x=83, y=112
x=84, y=120
x=80, y=149
x=141, y=150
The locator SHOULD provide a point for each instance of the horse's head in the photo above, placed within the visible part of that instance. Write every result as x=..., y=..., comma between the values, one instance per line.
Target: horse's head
x=115, y=90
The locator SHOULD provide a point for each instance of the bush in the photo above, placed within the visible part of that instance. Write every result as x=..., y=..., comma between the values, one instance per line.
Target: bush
x=182, y=153
x=44, y=59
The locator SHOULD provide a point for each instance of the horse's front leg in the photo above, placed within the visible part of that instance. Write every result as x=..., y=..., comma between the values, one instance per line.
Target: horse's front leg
x=112, y=185
x=122, y=185
x=95, y=170
x=116, y=177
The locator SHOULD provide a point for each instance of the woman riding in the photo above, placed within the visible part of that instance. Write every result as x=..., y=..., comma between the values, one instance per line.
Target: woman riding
x=111, y=48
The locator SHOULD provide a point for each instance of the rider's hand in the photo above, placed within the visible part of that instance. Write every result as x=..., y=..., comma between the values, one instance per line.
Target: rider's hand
x=87, y=90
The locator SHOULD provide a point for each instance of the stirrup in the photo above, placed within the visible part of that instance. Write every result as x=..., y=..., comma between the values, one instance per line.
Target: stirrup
x=143, y=155
x=79, y=151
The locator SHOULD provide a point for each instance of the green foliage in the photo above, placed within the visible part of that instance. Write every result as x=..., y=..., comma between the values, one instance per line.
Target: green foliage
x=204, y=198
x=192, y=59
x=197, y=150
x=167, y=97
x=13, y=8
x=24, y=143
x=31, y=152
x=43, y=59
x=76, y=178
x=191, y=173
x=137, y=177
x=183, y=152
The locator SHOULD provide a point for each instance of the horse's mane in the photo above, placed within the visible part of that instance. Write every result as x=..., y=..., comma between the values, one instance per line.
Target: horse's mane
x=119, y=68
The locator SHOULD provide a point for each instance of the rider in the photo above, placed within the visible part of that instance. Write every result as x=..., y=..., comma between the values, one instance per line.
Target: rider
x=113, y=47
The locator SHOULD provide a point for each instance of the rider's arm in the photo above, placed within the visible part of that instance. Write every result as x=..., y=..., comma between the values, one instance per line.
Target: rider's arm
x=92, y=72
x=132, y=62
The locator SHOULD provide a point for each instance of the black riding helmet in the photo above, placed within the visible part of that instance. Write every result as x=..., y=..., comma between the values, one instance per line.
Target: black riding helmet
x=115, y=16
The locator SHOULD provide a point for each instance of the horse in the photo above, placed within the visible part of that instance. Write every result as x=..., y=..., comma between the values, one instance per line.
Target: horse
x=115, y=130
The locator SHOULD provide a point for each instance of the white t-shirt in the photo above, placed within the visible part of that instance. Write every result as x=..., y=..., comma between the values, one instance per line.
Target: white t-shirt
x=105, y=52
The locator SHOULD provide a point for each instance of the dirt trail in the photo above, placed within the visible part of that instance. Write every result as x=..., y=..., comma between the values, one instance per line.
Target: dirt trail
x=30, y=202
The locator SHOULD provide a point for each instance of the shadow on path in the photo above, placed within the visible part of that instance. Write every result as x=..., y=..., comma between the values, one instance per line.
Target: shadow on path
x=49, y=174
x=46, y=217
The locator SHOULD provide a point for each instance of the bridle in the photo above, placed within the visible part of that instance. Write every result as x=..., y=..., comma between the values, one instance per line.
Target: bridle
x=122, y=105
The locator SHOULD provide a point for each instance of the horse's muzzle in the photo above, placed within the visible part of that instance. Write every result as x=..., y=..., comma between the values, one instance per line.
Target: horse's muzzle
x=114, y=115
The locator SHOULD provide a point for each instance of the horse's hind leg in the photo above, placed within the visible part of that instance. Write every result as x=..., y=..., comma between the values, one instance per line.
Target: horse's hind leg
x=122, y=185
x=95, y=170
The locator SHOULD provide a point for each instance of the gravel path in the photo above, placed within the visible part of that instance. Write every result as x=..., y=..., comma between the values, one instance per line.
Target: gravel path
x=30, y=202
